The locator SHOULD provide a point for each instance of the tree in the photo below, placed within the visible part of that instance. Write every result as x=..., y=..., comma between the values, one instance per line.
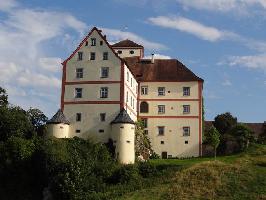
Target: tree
x=142, y=141
x=243, y=135
x=224, y=122
x=3, y=97
x=213, y=138
x=37, y=117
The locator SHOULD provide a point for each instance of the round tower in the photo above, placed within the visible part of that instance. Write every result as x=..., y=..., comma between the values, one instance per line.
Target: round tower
x=58, y=125
x=123, y=136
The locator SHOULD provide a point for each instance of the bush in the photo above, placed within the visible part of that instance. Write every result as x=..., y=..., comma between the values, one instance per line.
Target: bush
x=146, y=169
x=154, y=156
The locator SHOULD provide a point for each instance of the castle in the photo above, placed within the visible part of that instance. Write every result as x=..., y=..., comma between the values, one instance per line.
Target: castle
x=106, y=88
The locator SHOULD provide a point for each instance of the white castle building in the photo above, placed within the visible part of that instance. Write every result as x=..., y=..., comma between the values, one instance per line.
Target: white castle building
x=106, y=88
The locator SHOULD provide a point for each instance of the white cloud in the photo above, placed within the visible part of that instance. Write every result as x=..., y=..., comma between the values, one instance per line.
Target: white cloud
x=7, y=4
x=115, y=35
x=192, y=27
x=252, y=62
x=226, y=82
x=50, y=64
x=158, y=56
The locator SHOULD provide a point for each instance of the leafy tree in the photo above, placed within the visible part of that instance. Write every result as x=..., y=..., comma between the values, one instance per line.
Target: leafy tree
x=3, y=97
x=14, y=122
x=243, y=135
x=38, y=120
x=213, y=138
x=224, y=122
x=142, y=141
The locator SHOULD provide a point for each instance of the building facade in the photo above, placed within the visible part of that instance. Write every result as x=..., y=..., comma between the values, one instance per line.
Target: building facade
x=101, y=82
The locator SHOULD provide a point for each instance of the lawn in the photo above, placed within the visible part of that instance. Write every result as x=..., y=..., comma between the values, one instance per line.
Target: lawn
x=240, y=176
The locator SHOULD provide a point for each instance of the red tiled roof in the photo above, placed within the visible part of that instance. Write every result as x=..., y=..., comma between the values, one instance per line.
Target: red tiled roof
x=161, y=70
x=126, y=43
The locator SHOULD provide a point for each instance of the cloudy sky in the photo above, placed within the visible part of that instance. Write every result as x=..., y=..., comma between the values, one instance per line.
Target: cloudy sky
x=222, y=41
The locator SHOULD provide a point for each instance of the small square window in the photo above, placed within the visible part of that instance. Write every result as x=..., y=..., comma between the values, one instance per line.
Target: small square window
x=78, y=92
x=186, y=131
x=104, y=72
x=119, y=52
x=92, y=57
x=131, y=52
x=101, y=131
x=86, y=43
x=105, y=55
x=186, y=109
x=144, y=90
x=104, y=92
x=78, y=117
x=79, y=73
x=102, y=117
x=186, y=91
x=93, y=41
x=161, y=91
x=162, y=142
x=101, y=43
x=80, y=55
x=186, y=142
x=77, y=131
x=128, y=141
x=160, y=130
x=161, y=109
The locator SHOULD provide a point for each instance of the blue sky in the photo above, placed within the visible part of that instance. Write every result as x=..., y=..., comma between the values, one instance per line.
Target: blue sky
x=222, y=41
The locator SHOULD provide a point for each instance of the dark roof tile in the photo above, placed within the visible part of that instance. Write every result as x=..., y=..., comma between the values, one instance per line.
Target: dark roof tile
x=126, y=43
x=123, y=118
x=58, y=118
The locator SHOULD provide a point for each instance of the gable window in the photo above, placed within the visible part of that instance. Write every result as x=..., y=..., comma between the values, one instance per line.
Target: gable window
x=133, y=103
x=131, y=52
x=186, y=109
x=93, y=41
x=80, y=55
x=144, y=90
x=186, y=91
x=102, y=117
x=104, y=92
x=105, y=55
x=92, y=57
x=131, y=82
x=144, y=107
x=104, y=72
x=78, y=117
x=127, y=96
x=119, y=52
x=101, y=43
x=78, y=92
x=161, y=91
x=161, y=109
x=86, y=43
x=79, y=73
x=127, y=76
x=160, y=130
x=186, y=131
x=144, y=122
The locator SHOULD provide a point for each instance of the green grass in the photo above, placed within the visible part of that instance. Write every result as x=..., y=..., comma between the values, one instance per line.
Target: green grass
x=240, y=176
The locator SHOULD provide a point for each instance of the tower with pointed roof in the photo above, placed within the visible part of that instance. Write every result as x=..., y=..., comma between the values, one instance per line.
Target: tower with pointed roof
x=106, y=88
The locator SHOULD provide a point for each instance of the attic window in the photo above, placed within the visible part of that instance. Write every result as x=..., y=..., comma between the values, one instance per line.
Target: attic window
x=101, y=131
x=131, y=52
x=128, y=141
x=77, y=131
x=119, y=52
x=86, y=44
x=93, y=41
x=101, y=43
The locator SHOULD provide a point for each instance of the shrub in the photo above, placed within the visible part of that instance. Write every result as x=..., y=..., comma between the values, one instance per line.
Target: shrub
x=146, y=169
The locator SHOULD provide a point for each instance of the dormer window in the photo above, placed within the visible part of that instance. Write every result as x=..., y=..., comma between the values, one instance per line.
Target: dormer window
x=119, y=52
x=93, y=41
x=131, y=52
x=86, y=43
x=80, y=55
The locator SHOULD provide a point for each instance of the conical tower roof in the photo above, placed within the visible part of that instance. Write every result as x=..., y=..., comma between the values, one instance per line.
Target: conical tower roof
x=58, y=118
x=123, y=118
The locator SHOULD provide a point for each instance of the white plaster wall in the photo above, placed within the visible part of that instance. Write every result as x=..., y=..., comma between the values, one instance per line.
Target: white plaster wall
x=58, y=130
x=124, y=140
x=126, y=52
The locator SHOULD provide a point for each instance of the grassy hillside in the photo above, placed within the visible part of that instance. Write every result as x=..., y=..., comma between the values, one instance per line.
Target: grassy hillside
x=241, y=176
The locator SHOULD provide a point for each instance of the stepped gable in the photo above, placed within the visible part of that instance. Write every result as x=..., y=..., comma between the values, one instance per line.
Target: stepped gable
x=161, y=70
x=126, y=43
x=123, y=118
x=58, y=118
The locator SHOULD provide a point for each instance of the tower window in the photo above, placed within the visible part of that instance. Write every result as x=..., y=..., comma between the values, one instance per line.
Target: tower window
x=131, y=52
x=93, y=41
x=78, y=92
x=80, y=55
x=104, y=92
x=102, y=117
x=78, y=117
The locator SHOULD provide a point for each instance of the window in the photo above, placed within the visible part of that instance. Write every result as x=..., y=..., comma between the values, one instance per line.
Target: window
x=127, y=76
x=101, y=43
x=104, y=72
x=80, y=55
x=101, y=131
x=186, y=131
x=133, y=103
x=127, y=96
x=144, y=107
x=79, y=73
x=160, y=130
x=146, y=132
x=131, y=52
x=93, y=41
x=92, y=57
x=161, y=109
x=144, y=90
x=78, y=92
x=186, y=142
x=128, y=141
x=78, y=117
x=105, y=55
x=161, y=91
x=104, y=92
x=131, y=82
x=119, y=52
x=144, y=122
x=77, y=131
x=186, y=109
x=162, y=142
x=102, y=117
x=186, y=91
x=86, y=43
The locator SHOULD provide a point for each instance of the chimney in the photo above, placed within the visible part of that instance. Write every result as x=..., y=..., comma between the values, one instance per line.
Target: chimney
x=152, y=58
